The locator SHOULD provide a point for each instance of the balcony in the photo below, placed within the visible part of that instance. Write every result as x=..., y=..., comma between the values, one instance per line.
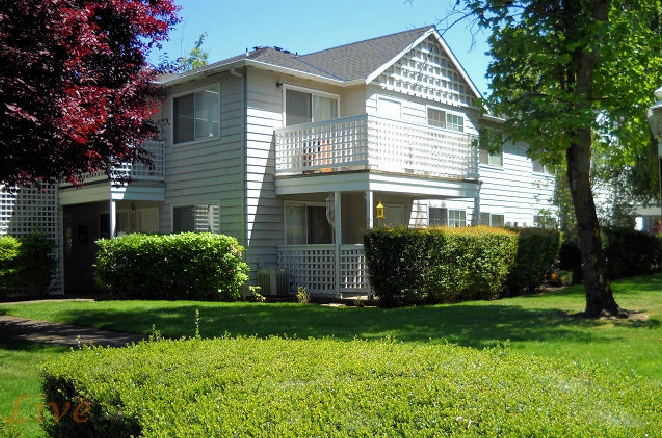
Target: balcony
x=135, y=172
x=372, y=143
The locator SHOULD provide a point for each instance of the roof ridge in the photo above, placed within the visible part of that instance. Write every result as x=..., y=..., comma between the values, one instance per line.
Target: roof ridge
x=419, y=29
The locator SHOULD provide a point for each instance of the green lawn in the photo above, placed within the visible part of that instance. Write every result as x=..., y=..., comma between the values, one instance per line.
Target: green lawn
x=538, y=325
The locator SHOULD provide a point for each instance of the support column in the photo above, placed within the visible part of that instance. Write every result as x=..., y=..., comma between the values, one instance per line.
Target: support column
x=338, y=220
x=112, y=218
x=370, y=216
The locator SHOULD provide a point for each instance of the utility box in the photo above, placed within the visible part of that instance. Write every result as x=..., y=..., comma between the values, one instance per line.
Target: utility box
x=273, y=281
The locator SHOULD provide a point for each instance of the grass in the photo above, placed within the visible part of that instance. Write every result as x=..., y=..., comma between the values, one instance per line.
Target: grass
x=537, y=325
x=19, y=374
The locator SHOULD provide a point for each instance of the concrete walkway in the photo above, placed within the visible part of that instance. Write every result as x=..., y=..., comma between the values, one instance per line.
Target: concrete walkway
x=62, y=334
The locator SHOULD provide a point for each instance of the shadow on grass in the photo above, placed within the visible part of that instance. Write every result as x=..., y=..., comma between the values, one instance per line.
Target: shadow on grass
x=473, y=324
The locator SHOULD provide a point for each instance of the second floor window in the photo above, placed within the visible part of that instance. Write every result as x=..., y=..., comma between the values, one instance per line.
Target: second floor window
x=304, y=106
x=538, y=167
x=486, y=157
x=197, y=115
x=442, y=119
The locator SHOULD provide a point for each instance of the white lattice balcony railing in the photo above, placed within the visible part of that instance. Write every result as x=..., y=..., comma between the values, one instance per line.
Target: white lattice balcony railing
x=314, y=267
x=369, y=142
x=137, y=171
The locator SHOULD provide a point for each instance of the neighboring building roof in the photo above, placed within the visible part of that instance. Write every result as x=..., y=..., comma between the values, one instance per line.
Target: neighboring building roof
x=349, y=63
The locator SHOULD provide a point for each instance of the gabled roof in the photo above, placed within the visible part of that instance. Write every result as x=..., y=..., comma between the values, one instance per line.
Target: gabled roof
x=352, y=63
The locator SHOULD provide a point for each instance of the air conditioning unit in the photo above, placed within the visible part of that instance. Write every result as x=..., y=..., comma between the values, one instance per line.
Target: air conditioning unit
x=273, y=281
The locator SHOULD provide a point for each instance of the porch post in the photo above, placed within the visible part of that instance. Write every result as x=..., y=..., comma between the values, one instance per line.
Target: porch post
x=338, y=219
x=369, y=210
x=112, y=218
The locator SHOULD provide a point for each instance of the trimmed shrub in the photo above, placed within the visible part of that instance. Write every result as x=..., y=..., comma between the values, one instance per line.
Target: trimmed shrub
x=473, y=264
x=35, y=265
x=195, y=266
x=440, y=264
x=536, y=254
x=26, y=265
x=251, y=387
x=398, y=260
x=631, y=252
x=10, y=249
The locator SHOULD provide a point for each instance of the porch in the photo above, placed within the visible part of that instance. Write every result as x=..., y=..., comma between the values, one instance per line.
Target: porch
x=349, y=165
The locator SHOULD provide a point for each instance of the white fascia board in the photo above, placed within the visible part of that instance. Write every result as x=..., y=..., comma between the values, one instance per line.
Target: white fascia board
x=257, y=64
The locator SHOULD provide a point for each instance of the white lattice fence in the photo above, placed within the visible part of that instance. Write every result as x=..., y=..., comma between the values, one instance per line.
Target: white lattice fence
x=353, y=270
x=35, y=210
x=310, y=266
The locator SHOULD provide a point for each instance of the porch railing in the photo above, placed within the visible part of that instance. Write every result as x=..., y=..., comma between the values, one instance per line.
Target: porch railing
x=314, y=267
x=370, y=142
x=137, y=171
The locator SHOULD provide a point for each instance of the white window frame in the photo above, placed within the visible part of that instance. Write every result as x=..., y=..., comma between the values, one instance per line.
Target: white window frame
x=313, y=92
x=447, y=125
x=213, y=220
x=490, y=219
x=216, y=87
x=451, y=220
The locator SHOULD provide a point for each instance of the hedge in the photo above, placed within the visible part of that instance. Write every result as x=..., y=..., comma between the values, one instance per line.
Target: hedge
x=536, y=255
x=628, y=253
x=26, y=265
x=285, y=387
x=438, y=264
x=196, y=266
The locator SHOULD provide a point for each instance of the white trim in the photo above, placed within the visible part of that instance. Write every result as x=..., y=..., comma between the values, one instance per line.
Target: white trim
x=218, y=87
x=375, y=74
x=312, y=91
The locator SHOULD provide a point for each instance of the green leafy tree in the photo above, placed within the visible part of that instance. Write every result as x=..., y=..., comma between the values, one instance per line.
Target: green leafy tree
x=558, y=65
x=198, y=57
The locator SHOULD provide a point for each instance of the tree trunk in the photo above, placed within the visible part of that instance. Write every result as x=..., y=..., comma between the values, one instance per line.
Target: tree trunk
x=599, y=298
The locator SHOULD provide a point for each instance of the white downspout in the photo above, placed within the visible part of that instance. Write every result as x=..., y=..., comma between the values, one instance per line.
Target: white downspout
x=112, y=219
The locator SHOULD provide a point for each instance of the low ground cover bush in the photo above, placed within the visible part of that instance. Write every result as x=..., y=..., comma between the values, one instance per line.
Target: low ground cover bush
x=439, y=264
x=198, y=266
x=245, y=386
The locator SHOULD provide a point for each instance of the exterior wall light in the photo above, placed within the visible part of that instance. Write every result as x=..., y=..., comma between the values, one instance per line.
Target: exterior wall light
x=379, y=210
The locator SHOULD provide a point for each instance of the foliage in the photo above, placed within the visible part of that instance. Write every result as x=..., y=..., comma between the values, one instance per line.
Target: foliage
x=565, y=73
x=75, y=88
x=438, y=264
x=26, y=264
x=246, y=386
x=537, y=250
x=202, y=266
x=631, y=252
x=10, y=249
x=198, y=57
x=302, y=295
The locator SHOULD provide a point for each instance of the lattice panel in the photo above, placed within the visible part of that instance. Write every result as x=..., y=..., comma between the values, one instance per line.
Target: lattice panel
x=34, y=210
x=427, y=71
x=310, y=266
x=353, y=269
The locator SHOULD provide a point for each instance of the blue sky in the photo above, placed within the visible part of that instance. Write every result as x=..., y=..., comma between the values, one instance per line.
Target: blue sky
x=306, y=26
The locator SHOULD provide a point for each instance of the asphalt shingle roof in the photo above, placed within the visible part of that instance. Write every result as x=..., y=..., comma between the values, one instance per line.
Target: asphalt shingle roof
x=345, y=63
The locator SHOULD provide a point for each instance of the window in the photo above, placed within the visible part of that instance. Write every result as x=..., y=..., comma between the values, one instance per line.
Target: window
x=307, y=224
x=444, y=216
x=538, y=167
x=442, y=119
x=198, y=218
x=493, y=220
x=196, y=116
x=303, y=107
x=544, y=221
x=489, y=158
